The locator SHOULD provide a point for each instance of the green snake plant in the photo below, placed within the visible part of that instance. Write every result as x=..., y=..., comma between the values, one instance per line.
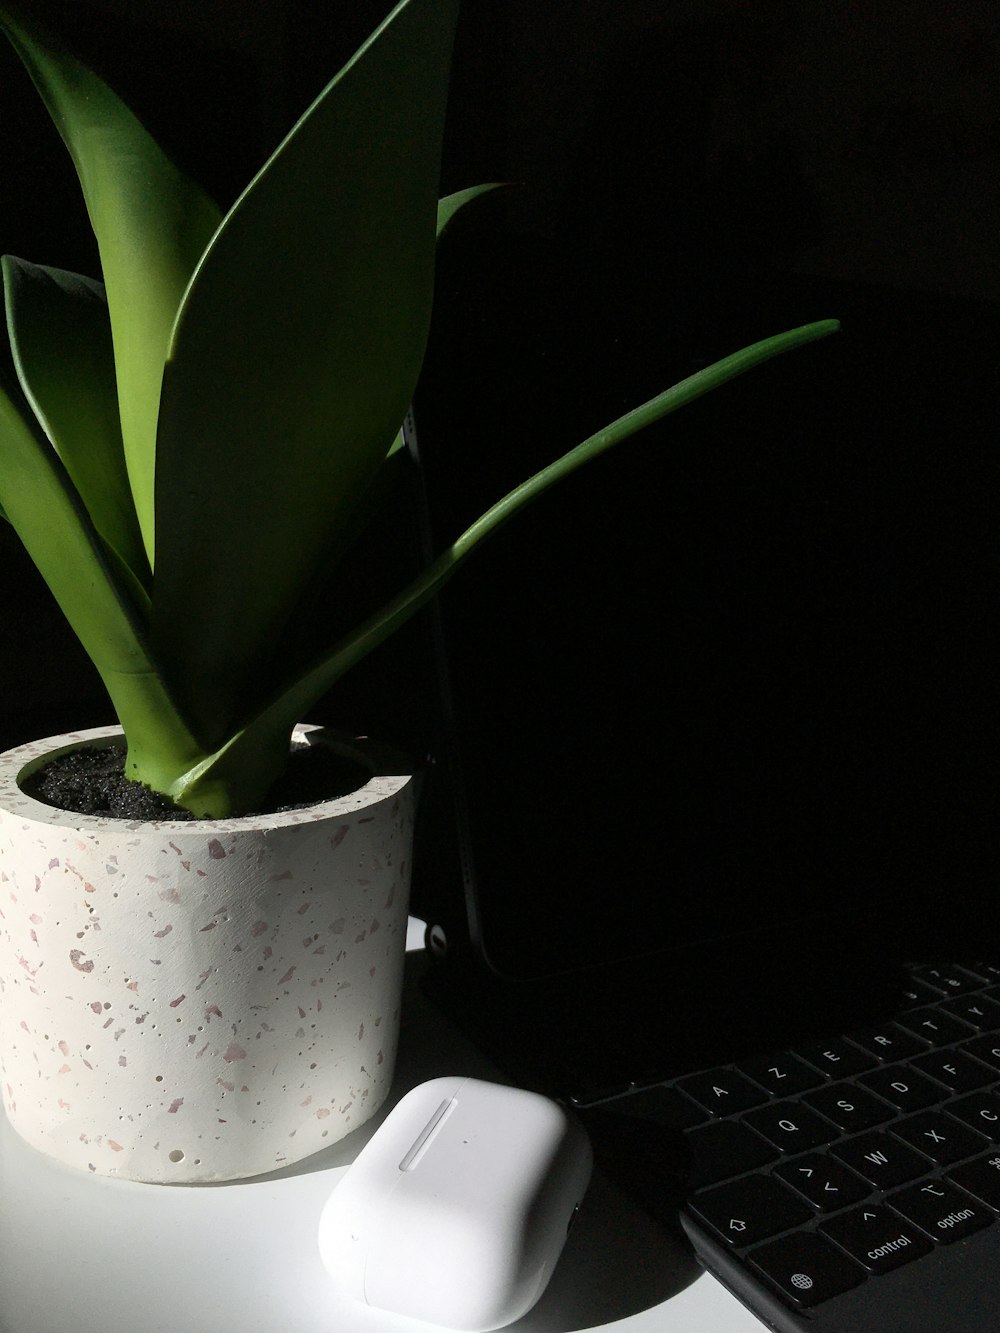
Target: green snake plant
x=186, y=443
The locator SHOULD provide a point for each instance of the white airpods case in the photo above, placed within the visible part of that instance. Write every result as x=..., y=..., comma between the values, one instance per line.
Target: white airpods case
x=456, y=1211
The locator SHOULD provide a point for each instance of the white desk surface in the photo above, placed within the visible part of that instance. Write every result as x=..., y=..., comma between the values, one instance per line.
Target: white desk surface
x=97, y=1256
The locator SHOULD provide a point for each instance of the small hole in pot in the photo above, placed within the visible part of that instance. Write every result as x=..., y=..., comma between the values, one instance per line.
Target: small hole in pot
x=176, y=1155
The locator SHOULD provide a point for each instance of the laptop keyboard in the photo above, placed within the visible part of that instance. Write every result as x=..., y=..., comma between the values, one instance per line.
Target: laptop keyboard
x=837, y=1161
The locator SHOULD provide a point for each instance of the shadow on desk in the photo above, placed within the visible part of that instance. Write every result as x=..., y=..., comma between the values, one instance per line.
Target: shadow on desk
x=617, y=1262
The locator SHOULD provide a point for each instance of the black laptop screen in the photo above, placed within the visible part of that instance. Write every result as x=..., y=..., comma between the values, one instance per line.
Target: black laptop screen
x=734, y=673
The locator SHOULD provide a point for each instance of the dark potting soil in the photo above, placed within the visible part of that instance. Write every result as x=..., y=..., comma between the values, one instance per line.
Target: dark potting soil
x=92, y=781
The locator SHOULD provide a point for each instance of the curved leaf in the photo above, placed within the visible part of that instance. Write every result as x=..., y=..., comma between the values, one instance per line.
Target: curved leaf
x=452, y=203
x=152, y=225
x=40, y=502
x=293, y=360
x=268, y=732
x=60, y=338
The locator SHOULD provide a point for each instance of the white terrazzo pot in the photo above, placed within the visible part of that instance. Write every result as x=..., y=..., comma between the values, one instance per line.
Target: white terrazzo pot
x=197, y=1001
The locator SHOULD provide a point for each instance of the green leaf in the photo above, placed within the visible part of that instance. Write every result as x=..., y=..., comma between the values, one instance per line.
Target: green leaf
x=42, y=505
x=452, y=203
x=61, y=343
x=228, y=769
x=294, y=359
x=152, y=225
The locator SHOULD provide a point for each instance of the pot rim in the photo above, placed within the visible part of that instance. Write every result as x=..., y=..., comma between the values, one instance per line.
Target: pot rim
x=389, y=774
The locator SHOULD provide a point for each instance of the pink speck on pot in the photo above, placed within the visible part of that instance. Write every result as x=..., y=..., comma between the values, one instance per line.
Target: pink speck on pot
x=234, y=1052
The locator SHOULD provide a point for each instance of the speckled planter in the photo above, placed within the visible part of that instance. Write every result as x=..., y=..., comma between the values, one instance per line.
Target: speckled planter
x=199, y=1001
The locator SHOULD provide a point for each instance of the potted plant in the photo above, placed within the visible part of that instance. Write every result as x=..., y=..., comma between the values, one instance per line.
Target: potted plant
x=182, y=446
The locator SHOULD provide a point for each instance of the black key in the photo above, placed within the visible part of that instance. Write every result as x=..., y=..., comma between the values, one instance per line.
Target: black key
x=824, y=1182
x=978, y=1010
x=988, y=972
x=980, y=1111
x=663, y=1106
x=722, y=1091
x=943, y=1139
x=918, y=992
x=790, y=1126
x=725, y=1148
x=878, y=1239
x=949, y=980
x=903, y=1087
x=935, y=1026
x=890, y=1042
x=981, y=1178
x=986, y=1048
x=805, y=1268
x=750, y=1209
x=849, y=1106
x=940, y=1210
x=956, y=1071
x=880, y=1158
x=836, y=1059
x=781, y=1074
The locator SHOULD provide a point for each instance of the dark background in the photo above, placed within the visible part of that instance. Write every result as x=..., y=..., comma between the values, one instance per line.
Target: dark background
x=754, y=647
